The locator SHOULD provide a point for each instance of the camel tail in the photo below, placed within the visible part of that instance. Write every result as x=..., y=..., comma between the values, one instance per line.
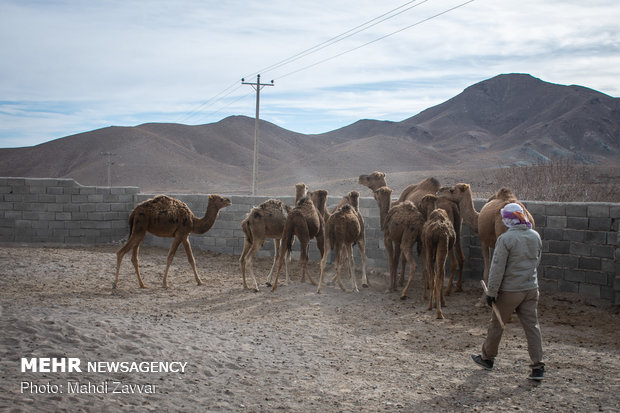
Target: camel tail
x=297, y=223
x=245, y=225
x=131, y=217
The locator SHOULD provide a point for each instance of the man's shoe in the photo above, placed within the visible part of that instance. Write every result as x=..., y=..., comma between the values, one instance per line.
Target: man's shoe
x=485, y=364
x=537, y=374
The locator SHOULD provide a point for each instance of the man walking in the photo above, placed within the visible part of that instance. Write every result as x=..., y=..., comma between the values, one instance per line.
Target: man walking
x=513, y=287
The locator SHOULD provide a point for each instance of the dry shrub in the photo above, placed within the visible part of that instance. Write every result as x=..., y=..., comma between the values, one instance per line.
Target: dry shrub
x=560, y=180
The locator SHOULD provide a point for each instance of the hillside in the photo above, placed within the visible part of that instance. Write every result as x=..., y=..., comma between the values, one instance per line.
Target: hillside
x=512, y=119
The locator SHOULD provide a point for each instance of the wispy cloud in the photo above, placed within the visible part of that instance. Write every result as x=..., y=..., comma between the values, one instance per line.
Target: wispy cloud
x=73, y=66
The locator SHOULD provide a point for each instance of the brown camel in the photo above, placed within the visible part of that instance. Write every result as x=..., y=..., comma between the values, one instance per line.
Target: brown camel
x=401, y=224
x=306, y=223
x=413, y=193
x=353, y=199
x=319, y=199
x=488, y=222
x=342, y=229
x=263, y=222
x=457, y=257
x=164, y=216
x=438, y=238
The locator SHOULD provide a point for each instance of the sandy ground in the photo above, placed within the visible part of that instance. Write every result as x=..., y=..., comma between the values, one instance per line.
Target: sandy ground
x=291, y=350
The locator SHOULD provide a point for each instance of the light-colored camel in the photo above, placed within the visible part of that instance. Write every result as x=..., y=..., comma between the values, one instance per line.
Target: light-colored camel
x=263, y=222
x=305, y=223
x=401, y=224
x=488, y=222
x=164, y=216
x=373, y=181
x=342, y=229
x=457, y=257
x=438, y=238
x=353, y=199
x=301, y=190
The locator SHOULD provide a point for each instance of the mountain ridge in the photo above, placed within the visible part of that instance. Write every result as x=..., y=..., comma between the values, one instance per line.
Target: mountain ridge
x=510, y=119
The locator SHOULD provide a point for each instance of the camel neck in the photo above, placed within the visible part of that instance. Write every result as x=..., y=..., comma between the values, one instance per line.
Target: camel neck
x=205, y=223
x=469, y=213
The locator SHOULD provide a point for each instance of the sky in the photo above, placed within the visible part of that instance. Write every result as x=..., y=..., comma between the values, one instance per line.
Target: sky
x=71, y=66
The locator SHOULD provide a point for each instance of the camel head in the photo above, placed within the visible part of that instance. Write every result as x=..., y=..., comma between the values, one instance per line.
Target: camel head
x=427, y=205
x=219, y=201
x=373, y=181
x=454, y=193
x=354, y=198
x=301, y=190
x=383, y=195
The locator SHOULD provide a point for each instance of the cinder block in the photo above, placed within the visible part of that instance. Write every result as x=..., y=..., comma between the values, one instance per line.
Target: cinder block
x=579, y=223
x=599, y=224
x=596, y=277
x=598, y=210
x=556, y=222
x=590, y=290
x=568, y=286
x=576, y=209
x=578, y=248
x=588, y=263
x=558, y=247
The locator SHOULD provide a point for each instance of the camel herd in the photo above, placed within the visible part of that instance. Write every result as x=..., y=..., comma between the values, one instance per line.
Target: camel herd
x=425, y=215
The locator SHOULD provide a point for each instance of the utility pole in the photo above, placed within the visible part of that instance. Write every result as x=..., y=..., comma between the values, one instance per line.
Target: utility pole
x=257, y=86
x=109, y=163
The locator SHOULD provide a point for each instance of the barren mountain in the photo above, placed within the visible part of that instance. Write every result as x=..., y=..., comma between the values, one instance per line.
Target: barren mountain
x=512, y=119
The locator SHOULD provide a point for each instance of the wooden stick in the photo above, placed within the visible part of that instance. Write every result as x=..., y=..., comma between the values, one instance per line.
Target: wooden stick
x=495, y=309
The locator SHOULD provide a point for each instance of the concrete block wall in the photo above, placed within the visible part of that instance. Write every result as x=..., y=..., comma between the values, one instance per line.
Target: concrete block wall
x=581, y=247
x=580, y=240
x=63, y=212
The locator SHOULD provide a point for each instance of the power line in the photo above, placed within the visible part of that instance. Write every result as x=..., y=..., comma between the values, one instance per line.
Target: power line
x=349, y=33
x=376, y=40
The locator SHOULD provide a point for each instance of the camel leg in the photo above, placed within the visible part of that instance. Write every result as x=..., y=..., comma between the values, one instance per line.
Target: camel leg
x=276, y=254
x=119, y=258
x=361, y=245
x=322, y=273
x=442, y=254
x=249, y=259
x=389, y=248
x=280, y=262
x=408, y=255
x=456, y=258
x=460, y=258
x=173, y=249
x=401, y=280
x=430, y=265
x=242, y=259
x=190, y=257
x=394, y=275
x=452, y=271
x=351, y=265
x=339, y=259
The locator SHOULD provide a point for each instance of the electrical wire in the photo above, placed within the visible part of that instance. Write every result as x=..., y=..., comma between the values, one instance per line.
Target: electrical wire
x=375, y=40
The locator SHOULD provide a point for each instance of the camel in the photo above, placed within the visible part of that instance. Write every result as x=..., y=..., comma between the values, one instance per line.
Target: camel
x=164, y=216
x=413, y=193
x=263, y=222
x=319, y=199
x=438, y=238
x=342, y=229
x=401, y=224
x=353, y=199
x=306, y=223
x=301, y=190
x=488, y=222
